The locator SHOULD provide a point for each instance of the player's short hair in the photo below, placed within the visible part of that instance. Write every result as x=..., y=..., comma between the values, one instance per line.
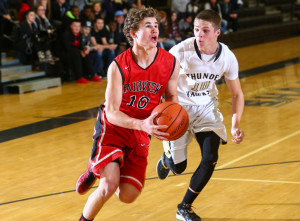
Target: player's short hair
x=210, y=16
x=134, y=17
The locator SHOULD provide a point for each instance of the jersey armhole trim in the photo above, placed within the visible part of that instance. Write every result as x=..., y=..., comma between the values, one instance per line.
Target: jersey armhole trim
x=123, y=79
x=219, y=52
x=174, y=64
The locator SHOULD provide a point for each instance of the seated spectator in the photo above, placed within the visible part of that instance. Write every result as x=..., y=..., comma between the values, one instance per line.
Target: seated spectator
x=80, y=3
x=112, y=37
x=4, y=11
x=86, y=42
x=7, y=24
x=58, y=10
x=45, y=3
x=75, y=55
x=24, y=43
x=120, y=37
x=105, y=51
x=71, y=15
x=86, y=14
x=97, y=10
x=163, y=39
x=214, y=5
x=174, y=28
x=186, y=26
x=86, y=35
x=109, y=8
x=43, y=35
x=194, y=7
x=229, y=15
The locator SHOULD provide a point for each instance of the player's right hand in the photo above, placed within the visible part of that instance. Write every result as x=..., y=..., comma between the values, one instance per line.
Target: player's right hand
x=154, y=130
x=238, y=135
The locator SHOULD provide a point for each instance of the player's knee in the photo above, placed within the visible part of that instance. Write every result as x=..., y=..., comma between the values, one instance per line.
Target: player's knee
x=128, y=197
x=210, y=160
x=107, y=189
x=180, y=167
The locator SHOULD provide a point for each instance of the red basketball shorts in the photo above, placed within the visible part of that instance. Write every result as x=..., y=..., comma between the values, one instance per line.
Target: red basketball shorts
x=112, y=142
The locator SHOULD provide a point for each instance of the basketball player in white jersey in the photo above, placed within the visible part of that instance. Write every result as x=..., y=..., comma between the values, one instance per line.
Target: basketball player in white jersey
x=203, y=61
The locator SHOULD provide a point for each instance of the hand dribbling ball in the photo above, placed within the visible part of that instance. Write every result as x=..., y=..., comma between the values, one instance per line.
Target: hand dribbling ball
x=174, y=116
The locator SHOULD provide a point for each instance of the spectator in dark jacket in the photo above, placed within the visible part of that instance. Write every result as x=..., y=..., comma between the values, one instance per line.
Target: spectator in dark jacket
x=229, y=14
x=75, y=55
x=86, y=14
x=44, y=34
x=70, y=16
x=58, y=10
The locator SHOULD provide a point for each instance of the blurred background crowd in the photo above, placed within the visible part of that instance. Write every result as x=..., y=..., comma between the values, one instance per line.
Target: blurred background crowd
x=82, y=37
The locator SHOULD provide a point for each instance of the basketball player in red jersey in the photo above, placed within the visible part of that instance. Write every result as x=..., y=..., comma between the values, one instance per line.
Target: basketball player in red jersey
x=137, y=79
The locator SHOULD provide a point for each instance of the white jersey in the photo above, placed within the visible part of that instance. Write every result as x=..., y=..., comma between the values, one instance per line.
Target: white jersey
x=197, y=77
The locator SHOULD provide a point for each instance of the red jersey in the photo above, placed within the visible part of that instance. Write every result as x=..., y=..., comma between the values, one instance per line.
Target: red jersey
x=143, y=88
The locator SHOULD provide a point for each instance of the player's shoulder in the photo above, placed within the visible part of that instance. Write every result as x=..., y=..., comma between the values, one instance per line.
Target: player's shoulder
x=123, y=55
x=225, y=48
x=186, y=44
x=226, y=52
x=164, y=53
x=183, y=47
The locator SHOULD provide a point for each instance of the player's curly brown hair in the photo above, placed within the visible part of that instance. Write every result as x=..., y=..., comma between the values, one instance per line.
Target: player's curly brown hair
x=134, y=17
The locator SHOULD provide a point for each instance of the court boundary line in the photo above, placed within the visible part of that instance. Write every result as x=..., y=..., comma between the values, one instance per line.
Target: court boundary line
x=259, y=149
x=150, y=178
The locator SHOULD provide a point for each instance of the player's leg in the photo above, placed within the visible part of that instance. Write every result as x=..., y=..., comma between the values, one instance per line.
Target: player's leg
x=174, y=157
x=108, y=184
x=127, y=193
x=86, y=181
x=209, y=143
x=132, y=174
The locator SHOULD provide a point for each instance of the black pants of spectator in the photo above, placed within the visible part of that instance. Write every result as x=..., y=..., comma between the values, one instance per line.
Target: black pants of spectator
x=233, y=23
x=80, y=66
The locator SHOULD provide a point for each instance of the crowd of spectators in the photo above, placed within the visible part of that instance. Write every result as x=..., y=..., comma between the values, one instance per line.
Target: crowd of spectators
x=84, y=36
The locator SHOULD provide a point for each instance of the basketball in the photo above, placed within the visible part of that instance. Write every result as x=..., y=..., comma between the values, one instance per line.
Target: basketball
x=174, y=116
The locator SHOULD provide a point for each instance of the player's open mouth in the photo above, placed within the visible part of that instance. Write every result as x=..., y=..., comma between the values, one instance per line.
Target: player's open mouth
x=154, y=38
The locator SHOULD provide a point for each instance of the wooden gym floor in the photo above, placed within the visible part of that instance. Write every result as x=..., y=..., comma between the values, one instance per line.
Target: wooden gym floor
x=46, y=139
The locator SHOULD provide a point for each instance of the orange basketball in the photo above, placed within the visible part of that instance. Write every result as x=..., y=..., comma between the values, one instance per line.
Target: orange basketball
x=174, y=116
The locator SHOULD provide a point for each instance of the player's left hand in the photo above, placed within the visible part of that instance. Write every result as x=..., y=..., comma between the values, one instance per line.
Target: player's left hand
x=154, y=130
x=238, y=135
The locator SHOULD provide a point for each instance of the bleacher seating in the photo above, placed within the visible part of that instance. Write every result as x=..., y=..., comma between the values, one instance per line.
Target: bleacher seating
x=264, y=21
x=259, y=21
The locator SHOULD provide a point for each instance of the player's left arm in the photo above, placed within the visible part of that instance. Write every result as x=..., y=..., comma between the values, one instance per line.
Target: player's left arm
x=171, y=90
x=234, y=87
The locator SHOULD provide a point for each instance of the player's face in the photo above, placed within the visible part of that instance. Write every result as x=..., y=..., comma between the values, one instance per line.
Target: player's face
x=147, y=34
x=205, y=33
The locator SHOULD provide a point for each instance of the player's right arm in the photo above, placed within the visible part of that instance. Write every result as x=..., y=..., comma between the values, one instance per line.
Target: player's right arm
x=113, y=99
